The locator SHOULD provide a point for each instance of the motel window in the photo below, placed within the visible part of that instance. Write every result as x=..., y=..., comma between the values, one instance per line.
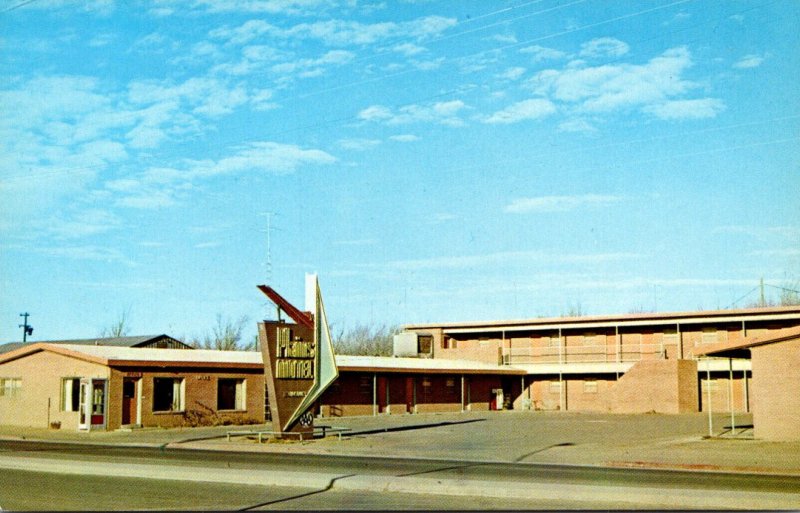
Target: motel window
x=424, y=344
x=168, y=394
x=231, y=394
x=10, y=387
x=426, y=382
x=555, y=387
x=450, y=383
x=590, y=386
x=70, y=394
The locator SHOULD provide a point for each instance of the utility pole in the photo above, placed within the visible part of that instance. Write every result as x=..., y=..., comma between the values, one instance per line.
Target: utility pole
x=26, y=328
x=763, y=302
x=269, y=244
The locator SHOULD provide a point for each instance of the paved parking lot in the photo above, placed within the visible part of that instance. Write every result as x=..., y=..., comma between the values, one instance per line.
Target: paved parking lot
x=648, y=440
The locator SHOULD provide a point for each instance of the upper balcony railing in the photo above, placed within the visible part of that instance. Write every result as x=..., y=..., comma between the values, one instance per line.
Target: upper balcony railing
x=586, y=354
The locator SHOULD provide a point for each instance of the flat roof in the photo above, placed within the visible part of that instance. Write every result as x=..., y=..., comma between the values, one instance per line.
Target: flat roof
x=656, y=318
x=149, y=357
x=428, y=365
x=740, y=349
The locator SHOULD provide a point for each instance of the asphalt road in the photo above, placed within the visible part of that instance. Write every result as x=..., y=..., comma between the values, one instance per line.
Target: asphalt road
x=40, y=491
x=352, y=477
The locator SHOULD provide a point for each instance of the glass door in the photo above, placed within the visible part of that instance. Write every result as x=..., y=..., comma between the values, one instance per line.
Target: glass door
x=83, y=404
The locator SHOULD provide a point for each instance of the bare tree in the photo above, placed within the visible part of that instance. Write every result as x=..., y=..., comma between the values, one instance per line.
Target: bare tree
x=119, y=328
x=365, y=339
x=224, y=336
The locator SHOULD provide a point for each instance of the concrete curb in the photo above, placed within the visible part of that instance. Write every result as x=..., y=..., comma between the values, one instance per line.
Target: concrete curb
x=591, y=494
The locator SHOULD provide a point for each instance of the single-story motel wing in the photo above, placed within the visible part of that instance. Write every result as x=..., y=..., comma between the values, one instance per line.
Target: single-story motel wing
x=632, y=363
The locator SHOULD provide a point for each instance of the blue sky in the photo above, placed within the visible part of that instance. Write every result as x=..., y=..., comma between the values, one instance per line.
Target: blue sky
x=431, y=161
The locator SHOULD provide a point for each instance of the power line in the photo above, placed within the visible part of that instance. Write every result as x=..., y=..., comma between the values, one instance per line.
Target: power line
x=750, y=292
x=26, y=2
x=783, y=288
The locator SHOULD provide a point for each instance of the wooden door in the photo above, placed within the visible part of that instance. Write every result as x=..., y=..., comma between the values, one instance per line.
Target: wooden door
x=129, y=402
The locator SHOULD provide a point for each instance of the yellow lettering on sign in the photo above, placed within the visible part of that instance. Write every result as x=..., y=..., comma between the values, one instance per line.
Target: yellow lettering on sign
x=294, y=359
x=286, y=368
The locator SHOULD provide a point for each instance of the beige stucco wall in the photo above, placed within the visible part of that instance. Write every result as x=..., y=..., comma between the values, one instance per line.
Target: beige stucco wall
x=776, y=391
x=39, y=401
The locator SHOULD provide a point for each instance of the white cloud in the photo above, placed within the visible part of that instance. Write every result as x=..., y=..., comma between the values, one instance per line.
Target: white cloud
x=749, y=61
x=445, y=113
x=338, y=32
x=84, y=223
x=541, y=53
x=687, y=109
x=358, y=144
x=161, y=187
x=559, y=203
x=89, y=252
x=262, y=157
x=408, y=49
x=404, y=138
x=604, y=47
x=527, y=109
x=282, y=7
x=608, y=88
x=577, y=126
x=101, y=40
x=313, y=67
x=512, y=73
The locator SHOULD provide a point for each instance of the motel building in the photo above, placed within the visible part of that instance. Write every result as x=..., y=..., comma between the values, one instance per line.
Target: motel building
x=625, y=363
x=628, y=364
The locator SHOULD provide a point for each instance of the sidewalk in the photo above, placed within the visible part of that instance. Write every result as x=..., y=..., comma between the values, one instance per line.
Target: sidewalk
x=640, y=441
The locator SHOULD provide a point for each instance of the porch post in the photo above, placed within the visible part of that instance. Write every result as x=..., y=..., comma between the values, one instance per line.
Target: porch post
x=730, y=394
x=708, y=388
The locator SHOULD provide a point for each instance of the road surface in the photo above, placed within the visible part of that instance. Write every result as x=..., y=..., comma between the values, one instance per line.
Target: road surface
x=36, y=475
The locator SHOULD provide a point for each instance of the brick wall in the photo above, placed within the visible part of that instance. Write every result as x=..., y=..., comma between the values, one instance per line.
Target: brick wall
x=661, y=386
x=776, y=391
x=200, y=386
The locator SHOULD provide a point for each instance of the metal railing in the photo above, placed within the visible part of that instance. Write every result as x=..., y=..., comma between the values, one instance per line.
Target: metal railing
x=586, y=354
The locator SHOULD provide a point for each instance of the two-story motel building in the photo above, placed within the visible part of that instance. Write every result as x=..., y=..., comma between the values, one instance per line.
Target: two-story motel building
x=625, y=363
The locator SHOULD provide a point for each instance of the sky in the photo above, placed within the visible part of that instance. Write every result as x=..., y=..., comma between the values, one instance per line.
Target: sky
x=430, y=161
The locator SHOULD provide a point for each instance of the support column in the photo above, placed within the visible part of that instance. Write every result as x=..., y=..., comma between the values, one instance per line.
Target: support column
x=374, y=395
x=730, y=394
x=708, y=406
x=462, y=393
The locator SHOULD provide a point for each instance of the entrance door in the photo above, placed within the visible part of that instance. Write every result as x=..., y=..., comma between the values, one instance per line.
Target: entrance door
x=92, y=404
x=129, y=401
x=84, y=400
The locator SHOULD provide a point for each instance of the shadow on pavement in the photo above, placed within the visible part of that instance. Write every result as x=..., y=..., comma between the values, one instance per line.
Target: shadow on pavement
x=412, y=427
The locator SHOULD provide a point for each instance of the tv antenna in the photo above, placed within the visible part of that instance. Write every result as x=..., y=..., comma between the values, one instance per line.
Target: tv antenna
x=269, y=229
